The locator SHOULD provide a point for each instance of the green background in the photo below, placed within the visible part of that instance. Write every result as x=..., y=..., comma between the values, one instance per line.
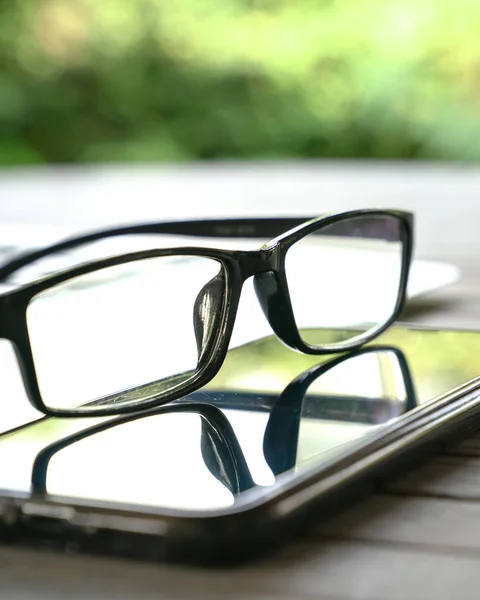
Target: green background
x=163, y=80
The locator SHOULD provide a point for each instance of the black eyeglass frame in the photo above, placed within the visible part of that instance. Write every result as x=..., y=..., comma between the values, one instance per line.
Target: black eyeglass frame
x=266, y=265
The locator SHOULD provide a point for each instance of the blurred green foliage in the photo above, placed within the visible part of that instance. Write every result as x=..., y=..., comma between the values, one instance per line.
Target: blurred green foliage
x=123, y=80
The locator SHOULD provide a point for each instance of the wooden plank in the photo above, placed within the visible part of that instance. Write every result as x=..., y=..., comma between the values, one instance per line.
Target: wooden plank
x=45, y=575
x=430, y=523
x=444, y=476
x=469, y=447
x=363, y=571
x=338, y=570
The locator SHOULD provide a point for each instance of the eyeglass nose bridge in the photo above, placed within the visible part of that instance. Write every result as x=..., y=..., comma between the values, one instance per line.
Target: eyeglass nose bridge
x=273, y=296
x=271, y=289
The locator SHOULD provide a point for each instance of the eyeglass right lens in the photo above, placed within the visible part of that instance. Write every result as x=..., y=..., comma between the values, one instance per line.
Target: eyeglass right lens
x=118, y=336
x=344, y=279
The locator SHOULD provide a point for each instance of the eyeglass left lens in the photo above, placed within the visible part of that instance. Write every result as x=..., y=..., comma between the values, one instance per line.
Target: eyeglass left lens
x=123, y=334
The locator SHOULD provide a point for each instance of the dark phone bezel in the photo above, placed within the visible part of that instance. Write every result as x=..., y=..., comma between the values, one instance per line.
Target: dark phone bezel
x=260, y=519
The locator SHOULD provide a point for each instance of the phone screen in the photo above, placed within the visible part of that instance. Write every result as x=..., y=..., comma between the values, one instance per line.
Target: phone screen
x=269, y=414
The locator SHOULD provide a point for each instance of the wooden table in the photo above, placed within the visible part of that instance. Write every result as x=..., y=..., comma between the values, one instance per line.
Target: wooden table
x=418, y=539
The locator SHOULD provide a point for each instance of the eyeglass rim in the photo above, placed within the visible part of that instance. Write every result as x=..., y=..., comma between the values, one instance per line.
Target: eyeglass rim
x=407, y=237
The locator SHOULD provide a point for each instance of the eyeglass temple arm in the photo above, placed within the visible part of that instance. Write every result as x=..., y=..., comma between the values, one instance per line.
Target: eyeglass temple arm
x=258, y=227
x=261, y=227
x=220, y=447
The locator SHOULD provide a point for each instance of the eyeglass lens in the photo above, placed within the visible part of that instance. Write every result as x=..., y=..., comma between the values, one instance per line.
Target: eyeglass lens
x=344, y=279
x=122, y=327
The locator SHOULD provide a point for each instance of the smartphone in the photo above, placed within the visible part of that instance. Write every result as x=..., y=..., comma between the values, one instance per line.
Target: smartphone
x=277, y=441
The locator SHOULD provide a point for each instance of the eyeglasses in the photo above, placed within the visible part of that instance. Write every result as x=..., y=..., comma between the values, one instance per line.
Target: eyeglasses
x=133, y=331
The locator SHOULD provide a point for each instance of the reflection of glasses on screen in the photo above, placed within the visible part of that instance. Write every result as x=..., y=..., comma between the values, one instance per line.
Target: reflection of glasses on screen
x=133, y=331
x=219, y=446
x=298, y=428
x=367, y=387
